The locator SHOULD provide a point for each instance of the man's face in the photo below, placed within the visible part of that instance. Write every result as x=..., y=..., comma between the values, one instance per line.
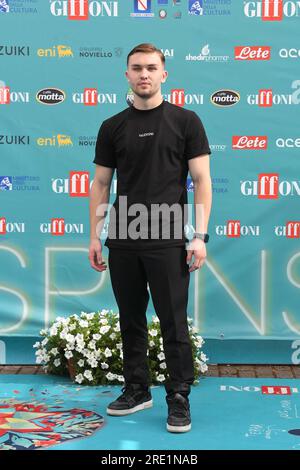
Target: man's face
x=145, y=73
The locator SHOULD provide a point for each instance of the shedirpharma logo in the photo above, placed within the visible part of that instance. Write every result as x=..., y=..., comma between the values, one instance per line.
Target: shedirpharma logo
x=83, y=9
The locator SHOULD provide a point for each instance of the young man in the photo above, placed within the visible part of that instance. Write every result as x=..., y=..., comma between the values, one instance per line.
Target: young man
x=152, y=145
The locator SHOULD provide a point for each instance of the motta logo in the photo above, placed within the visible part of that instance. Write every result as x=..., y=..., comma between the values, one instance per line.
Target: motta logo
x=77, y=185
x=60, y=140
x=268, y=186
x=50, y=96
x=272, y=10
x=11, y=227
x=234, y=229
x=252, y=53
x=225, y=98
x=82, y=9
x=91, y=97
x=249, y=142
x=60, y=51
x=59, y=227
x=290, y=230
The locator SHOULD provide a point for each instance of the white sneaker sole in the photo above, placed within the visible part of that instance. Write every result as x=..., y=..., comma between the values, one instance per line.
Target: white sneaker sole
x=142, y=406
x=186, y=428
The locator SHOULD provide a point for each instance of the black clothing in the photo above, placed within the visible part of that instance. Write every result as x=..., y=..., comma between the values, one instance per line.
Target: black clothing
x=150, y=150
x=168, y=276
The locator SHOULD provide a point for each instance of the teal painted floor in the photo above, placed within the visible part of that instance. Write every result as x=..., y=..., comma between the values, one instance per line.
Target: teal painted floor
x=50, y=412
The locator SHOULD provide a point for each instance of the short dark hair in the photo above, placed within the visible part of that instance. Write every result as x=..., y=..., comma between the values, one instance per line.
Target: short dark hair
x=147, y=48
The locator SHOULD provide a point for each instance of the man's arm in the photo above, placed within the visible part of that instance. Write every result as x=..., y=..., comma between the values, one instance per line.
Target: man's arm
x=99, y=195
x=200, y=173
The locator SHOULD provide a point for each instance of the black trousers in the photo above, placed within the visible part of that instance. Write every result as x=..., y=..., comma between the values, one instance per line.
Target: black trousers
x=166, y=272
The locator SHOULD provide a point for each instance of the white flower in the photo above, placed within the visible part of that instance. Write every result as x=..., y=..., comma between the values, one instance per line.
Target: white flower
x=104, y=365
x=153, y=332
x=70, y=338
x=203, y=367
x=80, y=362
x=96, y=336
x=161, y=347
x=160, y=378
x=88, y=375
x=161, y=356
x=121, y=354
x=43, y=332
x=117, y=327
x=155, y=319
x=54, y=351
x=45, y=341
x=90, y=316
x=119, y=345
x=160, y=340
x=93, y=363
x=120, y=378
x=203, y=356
x=57, y=362
x=53, y=331
x=113, y=336
x=68, y=354
x=63, y=334
x=103, y=321
x=104, y=329
x=151, y=344
x=72, y=327
x=110, y=376
x=84, y=323
x=37, y=344
x=79, y=378
x=163, y=365
x=79, y=337
x=92, y=344
x=107, y=352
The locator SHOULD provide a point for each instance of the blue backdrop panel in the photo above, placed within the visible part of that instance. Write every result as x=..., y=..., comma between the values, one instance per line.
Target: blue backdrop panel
x=236, y=64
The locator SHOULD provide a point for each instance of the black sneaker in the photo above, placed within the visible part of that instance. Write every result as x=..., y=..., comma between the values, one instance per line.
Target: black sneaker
x=179, y=418
x=135, y=397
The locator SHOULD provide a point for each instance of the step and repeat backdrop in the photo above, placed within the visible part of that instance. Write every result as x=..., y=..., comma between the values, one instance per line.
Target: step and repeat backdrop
x=62, y=72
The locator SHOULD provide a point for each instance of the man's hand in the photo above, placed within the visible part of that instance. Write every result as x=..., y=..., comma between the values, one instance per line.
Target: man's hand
x=197, y=248
x=95, y=255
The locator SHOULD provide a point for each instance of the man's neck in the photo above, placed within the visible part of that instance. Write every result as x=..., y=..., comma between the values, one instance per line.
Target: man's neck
x=144, y=104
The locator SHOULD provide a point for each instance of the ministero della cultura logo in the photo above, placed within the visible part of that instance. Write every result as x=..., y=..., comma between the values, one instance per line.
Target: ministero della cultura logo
x=83, y=9
x=18, y=6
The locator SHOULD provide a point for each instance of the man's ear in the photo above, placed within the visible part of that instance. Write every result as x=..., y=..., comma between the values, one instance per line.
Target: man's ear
x=165, y=76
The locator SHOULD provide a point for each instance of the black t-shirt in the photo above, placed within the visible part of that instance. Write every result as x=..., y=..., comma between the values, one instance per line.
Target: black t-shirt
x=150, y=150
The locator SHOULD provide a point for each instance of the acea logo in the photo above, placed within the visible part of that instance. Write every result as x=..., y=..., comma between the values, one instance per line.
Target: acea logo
x=225, y=98
x=50, y=96
x=4, y=6
x=82, y=9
